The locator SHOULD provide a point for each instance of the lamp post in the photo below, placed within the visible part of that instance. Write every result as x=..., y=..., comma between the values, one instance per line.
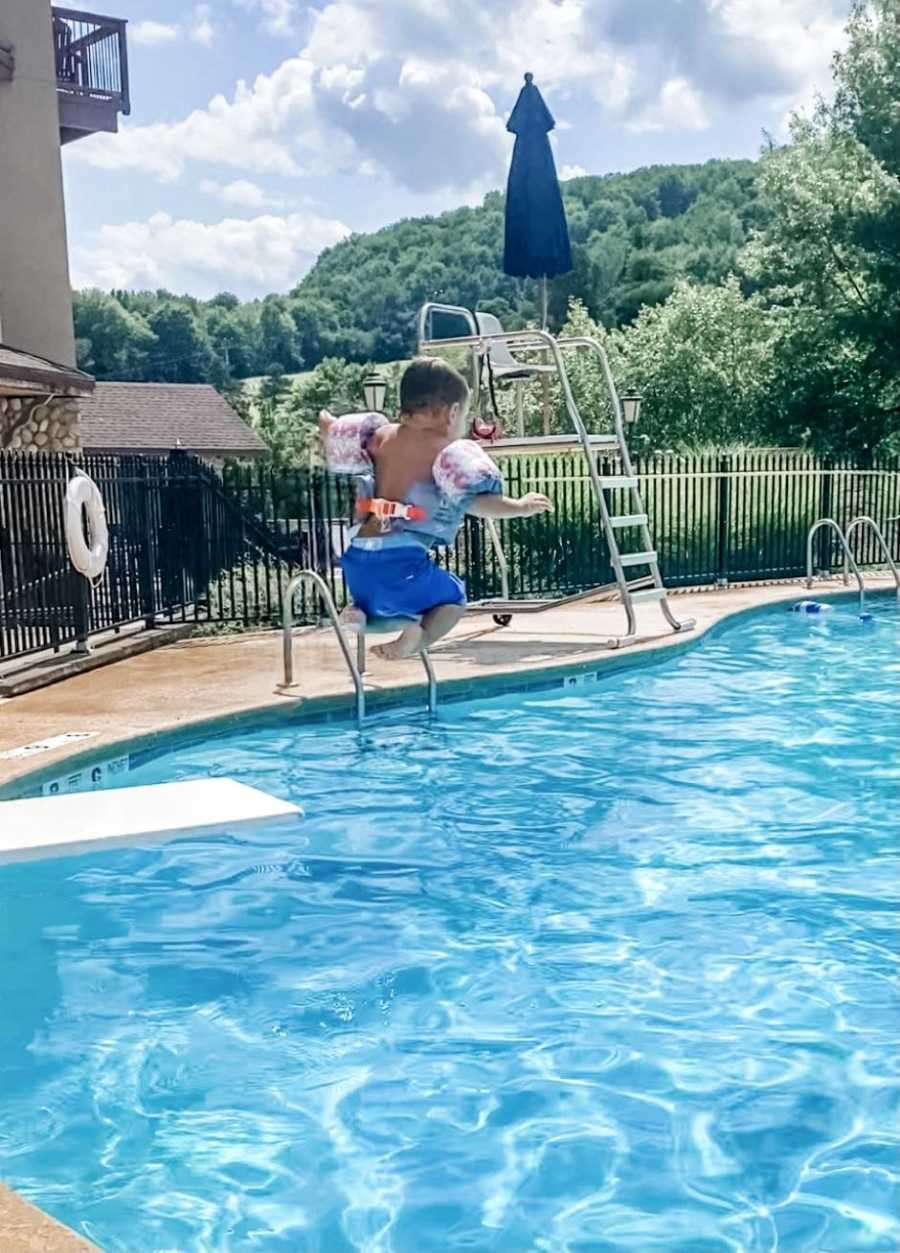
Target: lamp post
x=631, y=407
x=374, y=390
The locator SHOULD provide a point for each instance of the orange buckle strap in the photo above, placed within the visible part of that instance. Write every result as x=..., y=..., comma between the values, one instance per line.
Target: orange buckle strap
x=384, y=510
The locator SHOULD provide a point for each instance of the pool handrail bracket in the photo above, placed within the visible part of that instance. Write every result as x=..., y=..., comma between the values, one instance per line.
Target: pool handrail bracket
x=647, y=587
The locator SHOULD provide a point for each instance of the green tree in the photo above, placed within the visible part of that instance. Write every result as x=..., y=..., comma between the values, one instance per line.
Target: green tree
x=280, y=342
x=112, y=342
x=182, y=353
x=829, y=257
x=704, y=364
x=867, y=73
x=273, y=413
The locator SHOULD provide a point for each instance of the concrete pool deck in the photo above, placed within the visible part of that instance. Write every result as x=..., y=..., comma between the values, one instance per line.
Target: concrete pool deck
x=24, y=1229
x=210, y=678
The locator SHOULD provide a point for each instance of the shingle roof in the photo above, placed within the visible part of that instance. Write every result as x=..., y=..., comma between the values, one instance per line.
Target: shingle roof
x=24, y=369
x=161, y=416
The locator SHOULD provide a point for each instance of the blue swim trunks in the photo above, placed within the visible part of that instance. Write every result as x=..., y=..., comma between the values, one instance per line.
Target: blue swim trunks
x=398, y=582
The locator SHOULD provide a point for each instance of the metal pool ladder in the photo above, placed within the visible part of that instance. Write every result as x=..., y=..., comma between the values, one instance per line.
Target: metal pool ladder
x=850, y=564
x=355, y=665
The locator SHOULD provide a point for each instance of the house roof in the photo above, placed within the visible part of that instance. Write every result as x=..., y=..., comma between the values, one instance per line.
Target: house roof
x=26, y=372
x=156, y=417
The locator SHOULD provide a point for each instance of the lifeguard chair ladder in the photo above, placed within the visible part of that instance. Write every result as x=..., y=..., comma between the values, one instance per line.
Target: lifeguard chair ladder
x=626, y=529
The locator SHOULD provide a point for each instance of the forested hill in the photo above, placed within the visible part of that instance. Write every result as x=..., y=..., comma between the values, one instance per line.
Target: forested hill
x=633, y=235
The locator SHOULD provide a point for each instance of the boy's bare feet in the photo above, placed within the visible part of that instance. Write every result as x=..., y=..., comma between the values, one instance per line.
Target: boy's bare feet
x=404, y=646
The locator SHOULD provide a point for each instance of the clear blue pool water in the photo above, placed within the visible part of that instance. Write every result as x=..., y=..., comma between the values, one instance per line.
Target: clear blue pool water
x=597, y=969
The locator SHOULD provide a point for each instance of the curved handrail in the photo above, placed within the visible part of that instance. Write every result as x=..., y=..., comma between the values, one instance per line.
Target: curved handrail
x=287, y=626
x=849, y=562
x=355, y=667
x=431, y=307
x=865, y=520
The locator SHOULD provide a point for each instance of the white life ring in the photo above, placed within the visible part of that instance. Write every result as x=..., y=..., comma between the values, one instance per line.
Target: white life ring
x=88, y=559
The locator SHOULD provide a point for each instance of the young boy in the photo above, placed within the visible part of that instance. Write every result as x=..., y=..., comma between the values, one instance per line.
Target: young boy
x=426, y=478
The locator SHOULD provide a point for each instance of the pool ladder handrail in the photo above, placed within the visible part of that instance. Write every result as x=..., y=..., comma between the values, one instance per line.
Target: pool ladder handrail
x=849, y=562
x=865, y=520
x=356, y=670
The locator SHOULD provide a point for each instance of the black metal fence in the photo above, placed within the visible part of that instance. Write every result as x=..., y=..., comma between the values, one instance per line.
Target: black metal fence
x=190, y=545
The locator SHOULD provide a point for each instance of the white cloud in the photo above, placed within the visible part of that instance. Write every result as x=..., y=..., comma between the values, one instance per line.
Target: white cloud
x=278, y=16
x=679, y=107
x=239, y=192
x=151, y=34
x=202, y=30
x=418, y=93
x=572, y=171
x=248, y=256
x=253, y=131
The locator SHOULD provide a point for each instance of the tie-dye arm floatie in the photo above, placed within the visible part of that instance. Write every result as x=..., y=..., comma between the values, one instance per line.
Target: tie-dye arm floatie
x=347, y=442
x=462, y=471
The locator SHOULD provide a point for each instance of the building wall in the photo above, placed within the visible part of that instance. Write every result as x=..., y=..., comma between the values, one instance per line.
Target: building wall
x=35, y=294
x=39, y=423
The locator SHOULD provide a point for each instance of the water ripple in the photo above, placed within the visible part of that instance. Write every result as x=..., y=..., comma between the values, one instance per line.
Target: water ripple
x=584, y=972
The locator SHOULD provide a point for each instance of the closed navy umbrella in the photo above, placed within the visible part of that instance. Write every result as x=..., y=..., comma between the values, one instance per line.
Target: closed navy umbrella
x=537, y=236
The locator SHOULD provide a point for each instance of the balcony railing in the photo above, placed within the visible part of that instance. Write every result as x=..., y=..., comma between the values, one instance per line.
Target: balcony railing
x=91, y=71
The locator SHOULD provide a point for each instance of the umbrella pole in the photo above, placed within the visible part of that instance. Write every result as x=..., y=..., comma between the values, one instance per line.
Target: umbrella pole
x=545, y=382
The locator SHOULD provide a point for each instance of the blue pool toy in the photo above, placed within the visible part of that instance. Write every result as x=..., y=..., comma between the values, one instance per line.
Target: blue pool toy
x=810, y=606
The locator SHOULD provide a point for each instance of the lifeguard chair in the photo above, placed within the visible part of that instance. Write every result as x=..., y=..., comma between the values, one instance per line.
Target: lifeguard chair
x=519, y=356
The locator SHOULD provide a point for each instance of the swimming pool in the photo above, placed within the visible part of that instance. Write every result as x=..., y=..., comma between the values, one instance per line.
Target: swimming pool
x=606, y=967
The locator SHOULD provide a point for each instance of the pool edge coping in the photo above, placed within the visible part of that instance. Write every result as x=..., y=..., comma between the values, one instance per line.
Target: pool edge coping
x=34, y=1230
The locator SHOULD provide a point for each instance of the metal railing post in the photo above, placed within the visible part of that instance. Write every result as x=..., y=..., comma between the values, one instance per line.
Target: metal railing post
x=826, y=496
x=723, y=519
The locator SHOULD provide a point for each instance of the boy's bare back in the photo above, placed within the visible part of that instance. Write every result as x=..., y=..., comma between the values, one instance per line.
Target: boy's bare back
x=404, y=455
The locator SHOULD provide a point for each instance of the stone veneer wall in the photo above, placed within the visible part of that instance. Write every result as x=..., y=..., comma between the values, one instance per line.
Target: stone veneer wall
x=39, y=423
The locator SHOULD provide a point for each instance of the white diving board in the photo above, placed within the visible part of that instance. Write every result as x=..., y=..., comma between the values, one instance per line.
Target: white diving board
x=79, y=822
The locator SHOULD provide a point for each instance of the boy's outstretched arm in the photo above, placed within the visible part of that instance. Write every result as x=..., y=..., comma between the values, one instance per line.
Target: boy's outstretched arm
x=489, y=506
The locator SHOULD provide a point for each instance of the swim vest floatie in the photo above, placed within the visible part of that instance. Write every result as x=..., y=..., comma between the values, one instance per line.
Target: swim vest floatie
x=461, y=470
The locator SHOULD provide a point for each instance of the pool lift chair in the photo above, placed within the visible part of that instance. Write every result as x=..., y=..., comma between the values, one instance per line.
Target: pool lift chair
x=625, y=528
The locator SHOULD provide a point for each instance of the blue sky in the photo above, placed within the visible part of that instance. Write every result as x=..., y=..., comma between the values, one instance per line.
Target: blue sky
x=264, y=130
